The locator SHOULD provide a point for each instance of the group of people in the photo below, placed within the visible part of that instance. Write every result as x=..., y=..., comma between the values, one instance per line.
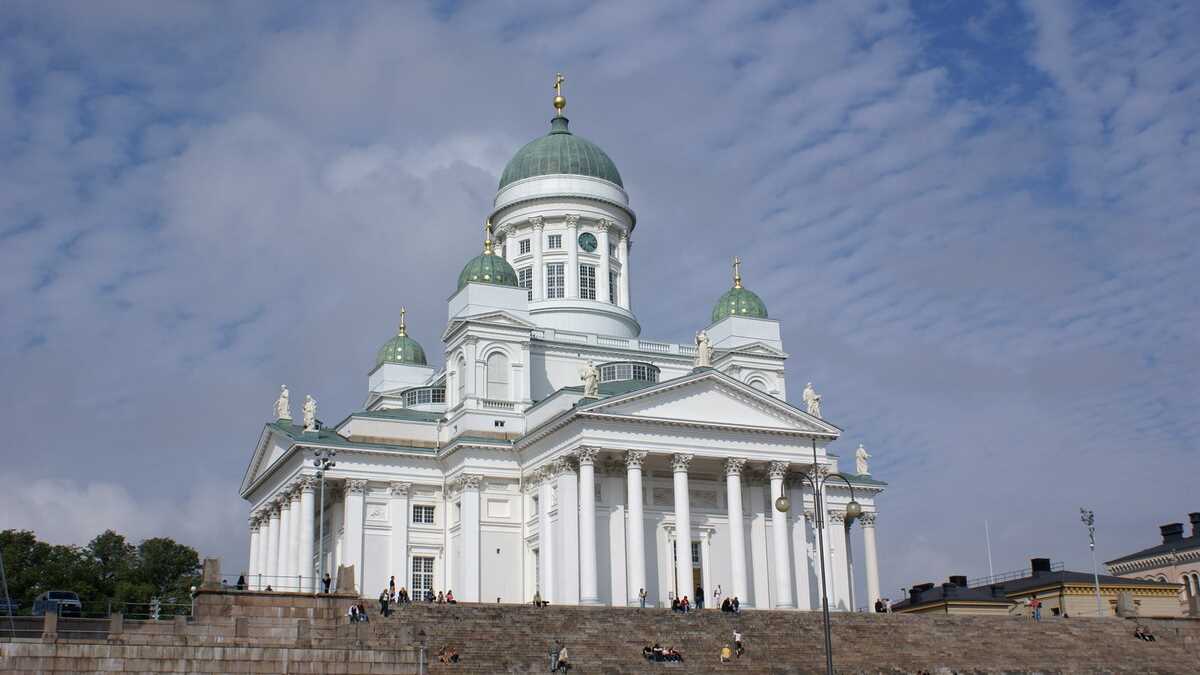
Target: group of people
x=1142, y=633
x=358, y=613
x=683, y=605
x=883, y=606
x=731, y=605
x=559, y=659
x=660, y=653
x=447, y=654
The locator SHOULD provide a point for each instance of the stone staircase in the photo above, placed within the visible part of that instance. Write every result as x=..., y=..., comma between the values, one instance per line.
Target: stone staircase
x=516, y=639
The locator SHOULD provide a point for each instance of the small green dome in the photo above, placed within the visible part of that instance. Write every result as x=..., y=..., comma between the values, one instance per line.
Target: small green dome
x=488, y=268
x=401, y=349
x=560, y=151
x=740, y=302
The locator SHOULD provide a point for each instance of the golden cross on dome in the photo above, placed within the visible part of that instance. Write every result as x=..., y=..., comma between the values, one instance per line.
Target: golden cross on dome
x=559, y=101
x=487, y=236
x=403, y=330
x=737, y=272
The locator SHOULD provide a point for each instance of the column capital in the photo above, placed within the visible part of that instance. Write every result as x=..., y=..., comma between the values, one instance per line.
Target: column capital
x=867, y=519
x=837, y=516
x=572, y=221
x=810, y=516
x=680, y=462
x=308, y=484
x=634, y=458
x=604, y=225
x=777, y=470
x=355, y=487
x=274, y=507
x=624, y=237
x=399, y=488
x=254, y=522
x=586, y=455
x=470, y=481
x=538, y=223
x=294, y=490
x=561, y=466
x=733, y=466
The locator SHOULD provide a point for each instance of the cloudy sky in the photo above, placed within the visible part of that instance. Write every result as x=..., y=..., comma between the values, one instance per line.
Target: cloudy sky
x=978, y=222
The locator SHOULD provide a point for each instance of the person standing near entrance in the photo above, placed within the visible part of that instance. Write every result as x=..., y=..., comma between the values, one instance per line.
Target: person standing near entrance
x=642, y=597
x=717, y=596
x=699, y=598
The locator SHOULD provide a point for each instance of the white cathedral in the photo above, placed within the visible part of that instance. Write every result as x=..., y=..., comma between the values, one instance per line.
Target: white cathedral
x=556, y=450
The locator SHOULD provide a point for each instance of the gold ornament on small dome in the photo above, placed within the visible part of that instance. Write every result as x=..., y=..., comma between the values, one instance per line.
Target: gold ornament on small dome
x=487, y=237
x=737, y=272
x=403, y=331
x=559, y=101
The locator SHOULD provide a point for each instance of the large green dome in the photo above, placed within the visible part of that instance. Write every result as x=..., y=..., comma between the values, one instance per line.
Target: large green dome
x=488, y=268
x=560, y=151
x=401, y=349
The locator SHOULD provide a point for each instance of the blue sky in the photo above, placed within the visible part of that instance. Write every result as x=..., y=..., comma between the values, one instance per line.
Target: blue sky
x=977, y=222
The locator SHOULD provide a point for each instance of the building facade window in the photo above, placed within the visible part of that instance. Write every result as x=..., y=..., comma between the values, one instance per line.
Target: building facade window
x=612, y=286
x=587, y=282
x=523, y=247
x=619, y=372
x=424, y=395
x=422, y=514
x=554, y=241
x=422, y=577
x=525, y=280
x=497, y=377
x=555, y=281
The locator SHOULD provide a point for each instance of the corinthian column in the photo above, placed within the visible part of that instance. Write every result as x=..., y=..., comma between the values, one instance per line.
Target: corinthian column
x=470, y=534
x=589, y=593
x=546, y=549
x=539, y=274
x=567, y=537
x=635, y=545
x=283, y=561
x=352, y=551
x=872, y=563
x=308, y=513
x=839, y=572
x=602, y=285
x=779, y=537
x=683, y=526
x=737, y=527
x=293, y=565
x=272, y=544
x=252, y=568
x=398, y=543
x=571, y=243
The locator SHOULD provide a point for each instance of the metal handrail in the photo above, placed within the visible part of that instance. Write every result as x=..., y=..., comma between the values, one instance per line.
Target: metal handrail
x=1009, y=576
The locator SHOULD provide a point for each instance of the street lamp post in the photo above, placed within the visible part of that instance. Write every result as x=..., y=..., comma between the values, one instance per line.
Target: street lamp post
x=1089, y=518
x=853, y=510
x=323, y=460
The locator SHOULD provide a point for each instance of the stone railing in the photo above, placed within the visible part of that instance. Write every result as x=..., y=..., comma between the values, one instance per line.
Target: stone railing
x=634, y=344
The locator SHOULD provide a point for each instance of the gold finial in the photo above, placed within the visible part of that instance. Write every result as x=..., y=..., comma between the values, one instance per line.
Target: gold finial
x=559, y=101
x=403, y=330
x=737, y=272
x=487, y=237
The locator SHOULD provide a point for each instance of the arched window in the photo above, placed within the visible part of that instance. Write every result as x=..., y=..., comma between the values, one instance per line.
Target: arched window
x=497, y=376
x=462, y=379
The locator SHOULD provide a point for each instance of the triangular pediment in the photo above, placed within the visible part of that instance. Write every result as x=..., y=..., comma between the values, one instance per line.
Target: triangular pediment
x=496, y=318
x=272, y=445
x=711, y=398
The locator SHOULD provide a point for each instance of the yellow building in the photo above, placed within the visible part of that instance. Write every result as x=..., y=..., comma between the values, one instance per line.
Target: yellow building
x=1060, y=592
x=1175, y=560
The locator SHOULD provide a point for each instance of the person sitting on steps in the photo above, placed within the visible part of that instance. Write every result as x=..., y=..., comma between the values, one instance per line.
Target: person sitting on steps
x=537, y=598
x=450, y=598
x=726, y=654
x=1142, y=634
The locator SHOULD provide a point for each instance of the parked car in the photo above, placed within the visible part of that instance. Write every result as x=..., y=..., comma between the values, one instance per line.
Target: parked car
x=8, y=607
x=65, y=603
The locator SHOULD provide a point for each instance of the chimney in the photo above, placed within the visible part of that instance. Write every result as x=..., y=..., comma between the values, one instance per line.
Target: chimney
x=1195, y=518
x=1171, y=532
x=1040, y=566
x=949, y=590
x=914, y=593
x=959, y=580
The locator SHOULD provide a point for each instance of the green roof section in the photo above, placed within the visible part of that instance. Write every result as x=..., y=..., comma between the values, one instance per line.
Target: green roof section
x=401, y=348
x=487, y=268
x=560, y=151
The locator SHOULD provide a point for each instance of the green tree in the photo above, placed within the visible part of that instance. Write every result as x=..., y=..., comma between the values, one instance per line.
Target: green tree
x=109, y=558
x=170, y=568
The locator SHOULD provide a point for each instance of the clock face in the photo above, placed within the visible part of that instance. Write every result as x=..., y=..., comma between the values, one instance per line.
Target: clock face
x=587, y=242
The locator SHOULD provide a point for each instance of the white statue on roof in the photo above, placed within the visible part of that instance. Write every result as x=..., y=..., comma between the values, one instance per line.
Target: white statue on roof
x=860, y=461
x=590, y=375
x=283, y=406
x=704, y=350
x=812, y=400
x=310, y=413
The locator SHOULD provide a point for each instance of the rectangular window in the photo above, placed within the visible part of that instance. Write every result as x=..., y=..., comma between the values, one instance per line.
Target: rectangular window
x=587, y=282
x=554, y=241
x=612, y=287
x=422, y=577
x=523, y=247
x=555, y=281
x=422, y=514
x=525, y=280
x=695, y=554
